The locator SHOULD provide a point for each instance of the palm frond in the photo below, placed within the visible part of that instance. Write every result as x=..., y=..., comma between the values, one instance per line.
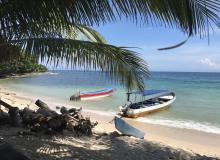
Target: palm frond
x=91, y=34
x=120, y=64
x=52, y=15
x=73, y=32
x=190, y=16
x=173, y=46
x=9, y=52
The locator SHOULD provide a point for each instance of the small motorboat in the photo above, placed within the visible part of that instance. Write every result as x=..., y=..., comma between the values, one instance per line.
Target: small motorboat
x=126, y=129
x=92, y=95
x=151, y=101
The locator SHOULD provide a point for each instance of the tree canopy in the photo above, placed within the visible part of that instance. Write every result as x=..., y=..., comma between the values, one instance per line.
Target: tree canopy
x=21, y=65
x=52, y=30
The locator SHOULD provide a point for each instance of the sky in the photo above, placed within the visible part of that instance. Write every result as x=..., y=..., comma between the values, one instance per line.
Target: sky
x=197, y=55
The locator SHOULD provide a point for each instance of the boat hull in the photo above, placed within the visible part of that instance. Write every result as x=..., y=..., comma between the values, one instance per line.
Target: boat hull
x=95, y=95
x=144, y=113
x=134, y=113
x=127, y=129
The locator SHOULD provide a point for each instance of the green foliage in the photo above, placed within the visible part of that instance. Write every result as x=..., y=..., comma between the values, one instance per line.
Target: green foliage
x=47, y=16
x=21, y=65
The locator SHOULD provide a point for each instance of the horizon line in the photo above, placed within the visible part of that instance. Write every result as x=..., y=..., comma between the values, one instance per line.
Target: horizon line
x=149, y=71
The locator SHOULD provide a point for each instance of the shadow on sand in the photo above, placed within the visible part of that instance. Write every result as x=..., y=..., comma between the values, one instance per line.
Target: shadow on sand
x=99, y=146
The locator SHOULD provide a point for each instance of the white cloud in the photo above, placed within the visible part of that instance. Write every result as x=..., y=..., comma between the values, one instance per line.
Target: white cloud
x=209, y=62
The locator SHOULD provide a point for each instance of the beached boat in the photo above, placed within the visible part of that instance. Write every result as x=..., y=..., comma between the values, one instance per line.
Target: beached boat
x=92, y=95
x=152, y=101
x=127, y=129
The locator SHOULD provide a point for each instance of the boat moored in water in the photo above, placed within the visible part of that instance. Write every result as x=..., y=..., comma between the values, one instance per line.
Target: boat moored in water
x=92, y=95
x=152, y=101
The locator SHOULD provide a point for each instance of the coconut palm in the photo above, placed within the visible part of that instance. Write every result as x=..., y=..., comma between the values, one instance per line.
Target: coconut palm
x=61, y=30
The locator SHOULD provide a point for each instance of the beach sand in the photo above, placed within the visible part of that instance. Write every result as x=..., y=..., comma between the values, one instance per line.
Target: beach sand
x=190, y=140
x=161, y=142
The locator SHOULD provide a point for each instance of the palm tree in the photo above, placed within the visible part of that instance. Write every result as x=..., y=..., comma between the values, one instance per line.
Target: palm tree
x=61, y=30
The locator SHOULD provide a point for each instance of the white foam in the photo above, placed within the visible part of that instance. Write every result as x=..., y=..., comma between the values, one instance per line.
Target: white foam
x=177, y=123
x=188, y=124
x=53, y=73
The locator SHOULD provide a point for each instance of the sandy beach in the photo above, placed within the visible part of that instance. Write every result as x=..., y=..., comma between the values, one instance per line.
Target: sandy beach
x=161, y=142
x=110, y=80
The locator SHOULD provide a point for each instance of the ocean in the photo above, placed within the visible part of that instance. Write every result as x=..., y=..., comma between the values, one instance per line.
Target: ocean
x=197, y=105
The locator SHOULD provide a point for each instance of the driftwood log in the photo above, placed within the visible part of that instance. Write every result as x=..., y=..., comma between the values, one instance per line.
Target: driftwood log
x=4, y=117
x=14, y=116
x=47, y=121
x=6, y=105
x=44, y=109
x=42, y=105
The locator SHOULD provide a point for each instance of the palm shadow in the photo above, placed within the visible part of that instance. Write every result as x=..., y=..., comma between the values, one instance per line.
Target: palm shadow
x=98, y=146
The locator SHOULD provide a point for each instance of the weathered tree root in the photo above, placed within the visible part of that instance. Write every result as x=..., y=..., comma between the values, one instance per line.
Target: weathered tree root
x=47, y=121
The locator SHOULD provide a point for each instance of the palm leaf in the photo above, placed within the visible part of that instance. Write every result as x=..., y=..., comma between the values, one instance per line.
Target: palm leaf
x=120, y=64
x=9, y=52
x=89, y=33
x=173, y=46
x=190, y=16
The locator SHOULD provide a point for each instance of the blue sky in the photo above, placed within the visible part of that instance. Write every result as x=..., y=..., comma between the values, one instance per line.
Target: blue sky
x=194, y=56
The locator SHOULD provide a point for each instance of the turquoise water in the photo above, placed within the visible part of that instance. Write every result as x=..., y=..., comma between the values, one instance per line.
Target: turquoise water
x=197, y=105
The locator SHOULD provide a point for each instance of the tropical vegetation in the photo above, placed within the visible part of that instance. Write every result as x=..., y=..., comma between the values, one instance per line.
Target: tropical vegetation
x=21, y=65
x=60, y=31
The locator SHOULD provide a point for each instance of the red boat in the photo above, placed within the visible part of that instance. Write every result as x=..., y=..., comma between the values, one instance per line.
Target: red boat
x=92, y=95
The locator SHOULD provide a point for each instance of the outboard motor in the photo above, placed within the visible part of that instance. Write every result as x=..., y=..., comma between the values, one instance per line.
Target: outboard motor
x=75, y=97
x=125, y=108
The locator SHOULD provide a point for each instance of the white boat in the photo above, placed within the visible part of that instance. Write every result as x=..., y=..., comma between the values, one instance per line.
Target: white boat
x=152, y=101
x=126, y=129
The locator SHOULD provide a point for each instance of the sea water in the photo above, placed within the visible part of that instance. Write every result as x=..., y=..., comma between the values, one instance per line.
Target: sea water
x=197, y=105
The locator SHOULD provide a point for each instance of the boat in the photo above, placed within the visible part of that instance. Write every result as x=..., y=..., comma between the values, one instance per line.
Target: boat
x=126, y=129
x=151, y=101
x=92, y=95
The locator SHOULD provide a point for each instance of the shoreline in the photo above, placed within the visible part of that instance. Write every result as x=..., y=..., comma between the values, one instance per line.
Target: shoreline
x=22, y=75
x=184, y=121
x=179, y=138
x=176, y=123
